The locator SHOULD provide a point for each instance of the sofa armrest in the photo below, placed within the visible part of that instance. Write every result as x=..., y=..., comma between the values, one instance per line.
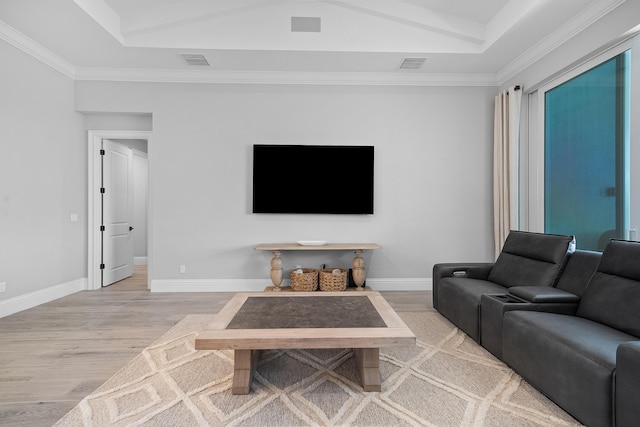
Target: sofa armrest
x=472, y=270
x=543, y=294
x=627, y=383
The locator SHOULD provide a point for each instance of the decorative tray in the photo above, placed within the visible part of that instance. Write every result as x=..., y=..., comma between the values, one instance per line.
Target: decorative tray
x=311, y=242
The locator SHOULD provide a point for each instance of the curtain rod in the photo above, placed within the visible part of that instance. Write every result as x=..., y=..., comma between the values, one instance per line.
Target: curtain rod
x=514, y=88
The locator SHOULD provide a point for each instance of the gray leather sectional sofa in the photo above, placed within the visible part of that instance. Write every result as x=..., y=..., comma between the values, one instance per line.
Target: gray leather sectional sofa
x=526, y=259
x=572, y=329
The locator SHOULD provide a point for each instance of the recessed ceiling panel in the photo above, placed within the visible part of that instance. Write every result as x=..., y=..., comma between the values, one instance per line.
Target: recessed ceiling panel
x=138, y=37
x=304, y=24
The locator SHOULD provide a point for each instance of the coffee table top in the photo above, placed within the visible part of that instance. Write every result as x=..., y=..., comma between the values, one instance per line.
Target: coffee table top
x=301, y=312
x=305, y=320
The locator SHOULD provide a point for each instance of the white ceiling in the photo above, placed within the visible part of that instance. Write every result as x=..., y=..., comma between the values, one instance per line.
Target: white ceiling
x=464, y=41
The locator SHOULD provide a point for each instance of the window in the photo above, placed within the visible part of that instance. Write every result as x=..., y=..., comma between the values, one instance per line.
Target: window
x=586, y=154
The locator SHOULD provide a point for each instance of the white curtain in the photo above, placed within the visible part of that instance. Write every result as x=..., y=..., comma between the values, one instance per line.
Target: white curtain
x=506, y=131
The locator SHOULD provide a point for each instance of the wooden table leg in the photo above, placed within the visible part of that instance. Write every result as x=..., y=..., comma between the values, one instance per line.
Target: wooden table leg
x=244, y=366
x=276, y=270
x=358, y=269
x=368, y=360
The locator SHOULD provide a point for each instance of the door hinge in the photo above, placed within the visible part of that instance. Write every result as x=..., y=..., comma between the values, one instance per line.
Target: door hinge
x=102, y=152
x=101, y=266
x=102, y=191
x=102, y=228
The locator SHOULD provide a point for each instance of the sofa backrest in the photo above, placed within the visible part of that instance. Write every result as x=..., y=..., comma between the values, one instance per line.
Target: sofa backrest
x=531, y=259
x=577, y=272
x=613, y=294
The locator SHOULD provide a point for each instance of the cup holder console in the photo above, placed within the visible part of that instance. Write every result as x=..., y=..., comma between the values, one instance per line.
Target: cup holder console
x=492, y=309
x=505, y=298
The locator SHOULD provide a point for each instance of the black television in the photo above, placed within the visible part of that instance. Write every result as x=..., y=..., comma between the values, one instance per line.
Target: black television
x=313, y=179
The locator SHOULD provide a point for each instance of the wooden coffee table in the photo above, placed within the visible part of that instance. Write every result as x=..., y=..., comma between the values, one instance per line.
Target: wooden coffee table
x=252, y=322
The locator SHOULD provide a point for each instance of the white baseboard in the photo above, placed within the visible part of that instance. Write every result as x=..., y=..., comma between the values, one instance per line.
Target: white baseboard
x=257, y=285
x=412, y=284
x=140, y=260
x=32, y=299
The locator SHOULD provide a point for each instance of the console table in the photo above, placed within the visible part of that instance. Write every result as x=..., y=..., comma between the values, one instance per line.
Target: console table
x=277, y=268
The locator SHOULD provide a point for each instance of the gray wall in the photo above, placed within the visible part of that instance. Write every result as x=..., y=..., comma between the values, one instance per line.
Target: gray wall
x=432, y=172
x=433, y=166
x=42, y=177
x=118, y=121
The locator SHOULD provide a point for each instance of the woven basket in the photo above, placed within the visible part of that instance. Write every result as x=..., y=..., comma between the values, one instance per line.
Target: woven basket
x=333, y=282
x=306, y=281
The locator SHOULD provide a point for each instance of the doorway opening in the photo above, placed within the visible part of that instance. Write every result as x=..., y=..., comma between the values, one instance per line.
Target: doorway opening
x=118, y=219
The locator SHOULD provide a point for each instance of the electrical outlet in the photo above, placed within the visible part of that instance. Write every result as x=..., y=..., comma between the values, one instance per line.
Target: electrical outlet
x=183, y=269
x=3, y=286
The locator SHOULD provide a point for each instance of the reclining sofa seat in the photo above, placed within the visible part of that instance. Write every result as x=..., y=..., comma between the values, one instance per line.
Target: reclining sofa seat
x=562, y=299
x=526, y=259
x=589, y=364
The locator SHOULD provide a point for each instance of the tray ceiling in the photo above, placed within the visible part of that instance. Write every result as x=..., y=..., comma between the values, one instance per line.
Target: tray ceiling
x=476, y=41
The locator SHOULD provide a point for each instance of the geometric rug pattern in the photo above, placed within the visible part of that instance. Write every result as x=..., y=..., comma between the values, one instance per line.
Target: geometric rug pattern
x=445, y=380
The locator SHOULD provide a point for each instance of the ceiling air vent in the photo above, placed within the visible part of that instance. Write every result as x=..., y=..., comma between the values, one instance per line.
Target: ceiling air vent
x=194, y=59
x=411, y=63
x=301, y=24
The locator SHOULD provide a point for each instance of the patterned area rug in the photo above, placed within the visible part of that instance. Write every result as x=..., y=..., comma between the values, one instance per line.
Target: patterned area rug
x=446, y=380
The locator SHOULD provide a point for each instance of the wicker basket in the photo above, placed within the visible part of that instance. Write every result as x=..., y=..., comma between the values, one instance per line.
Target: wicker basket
x=333, y=282
x=306, y=281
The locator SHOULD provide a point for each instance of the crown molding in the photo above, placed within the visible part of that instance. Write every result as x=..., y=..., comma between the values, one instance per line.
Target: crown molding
x=39, y=52
x=283, y=78
x=573, y=27
x=36, y=50
x=544, y=47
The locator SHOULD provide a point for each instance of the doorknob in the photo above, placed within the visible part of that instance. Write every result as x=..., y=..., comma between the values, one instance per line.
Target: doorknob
x=130, y=228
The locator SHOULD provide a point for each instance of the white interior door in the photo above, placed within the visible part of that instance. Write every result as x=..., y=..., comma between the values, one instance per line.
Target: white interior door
x=117, y=212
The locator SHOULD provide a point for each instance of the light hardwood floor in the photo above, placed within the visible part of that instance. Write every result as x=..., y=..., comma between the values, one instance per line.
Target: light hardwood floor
x=53, y=355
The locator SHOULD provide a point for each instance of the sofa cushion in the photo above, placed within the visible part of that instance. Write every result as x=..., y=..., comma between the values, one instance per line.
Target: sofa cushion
x=571, y=359
x=579, y=268
x=620, y=258
x=531, y=259
x=588, y=339
x=459, y=299
x=613, y=294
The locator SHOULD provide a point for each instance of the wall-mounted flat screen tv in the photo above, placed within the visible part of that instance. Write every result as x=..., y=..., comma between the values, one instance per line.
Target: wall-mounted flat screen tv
x=313, y=179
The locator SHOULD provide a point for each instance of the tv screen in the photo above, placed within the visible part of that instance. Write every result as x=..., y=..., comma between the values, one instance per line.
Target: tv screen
x=313, y=179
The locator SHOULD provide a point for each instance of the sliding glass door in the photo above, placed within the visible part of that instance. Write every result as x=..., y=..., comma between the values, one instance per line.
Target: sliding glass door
x=586, y=147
